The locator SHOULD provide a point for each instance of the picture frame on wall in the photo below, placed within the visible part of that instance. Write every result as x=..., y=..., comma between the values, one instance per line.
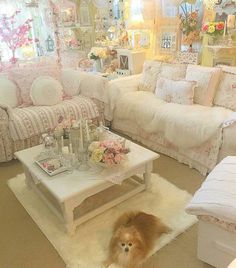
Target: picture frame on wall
x=84, y=12
x=168, y=41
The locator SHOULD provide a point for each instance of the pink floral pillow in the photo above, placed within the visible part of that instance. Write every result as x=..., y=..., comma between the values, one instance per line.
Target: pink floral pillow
x=24, y=77
x=175, y=91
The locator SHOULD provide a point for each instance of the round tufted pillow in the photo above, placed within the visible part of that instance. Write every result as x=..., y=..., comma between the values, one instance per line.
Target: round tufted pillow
x=8, y=92
x=46, y=90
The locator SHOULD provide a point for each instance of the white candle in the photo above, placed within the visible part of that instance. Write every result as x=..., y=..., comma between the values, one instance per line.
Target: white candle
x=81, y=135
x=65, y=150
x=231, y=21
x=87, y=131
x=225, y=28
x=70, y=148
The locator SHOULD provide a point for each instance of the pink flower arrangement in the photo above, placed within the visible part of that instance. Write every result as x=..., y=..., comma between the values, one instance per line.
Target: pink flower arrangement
x=189, y=26
x=109, y=152
x=64, y=126
x=214, y=28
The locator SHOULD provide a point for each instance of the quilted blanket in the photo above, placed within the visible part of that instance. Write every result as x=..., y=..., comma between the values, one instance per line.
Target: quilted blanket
x=35, y=120
x=217, y=195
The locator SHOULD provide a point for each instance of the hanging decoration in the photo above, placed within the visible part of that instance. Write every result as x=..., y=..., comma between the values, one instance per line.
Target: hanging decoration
x=55, y=19
x=49, y=44
x=13, y=35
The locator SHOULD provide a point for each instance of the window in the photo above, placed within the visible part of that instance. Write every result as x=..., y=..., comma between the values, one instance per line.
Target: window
x=41, y=27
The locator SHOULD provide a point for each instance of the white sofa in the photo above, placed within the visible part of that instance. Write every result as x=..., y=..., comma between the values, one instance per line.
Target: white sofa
x=197, y=135
x=21, y=126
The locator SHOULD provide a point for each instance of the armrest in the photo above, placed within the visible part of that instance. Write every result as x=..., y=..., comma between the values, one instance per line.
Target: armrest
x=120, y=86
x=94, y=86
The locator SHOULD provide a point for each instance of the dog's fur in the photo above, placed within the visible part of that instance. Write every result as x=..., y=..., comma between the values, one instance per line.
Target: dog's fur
x=134, y=236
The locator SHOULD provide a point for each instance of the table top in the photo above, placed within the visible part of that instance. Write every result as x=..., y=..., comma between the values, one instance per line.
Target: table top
x=66, y=185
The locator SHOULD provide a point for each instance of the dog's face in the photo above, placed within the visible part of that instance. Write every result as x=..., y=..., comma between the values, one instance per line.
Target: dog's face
x=127, y=244
x=127, y=240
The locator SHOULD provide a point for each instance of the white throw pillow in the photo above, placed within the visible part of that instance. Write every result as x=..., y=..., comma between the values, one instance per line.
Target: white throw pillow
x=151, y=71
x=71, y=82
x=226, y=93
x=8, y=92
x=207, y=79
x=46, y=90
x=175, y=91
x=173, y=71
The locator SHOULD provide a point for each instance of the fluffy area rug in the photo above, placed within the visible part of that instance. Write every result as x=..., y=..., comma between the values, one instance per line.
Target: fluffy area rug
x=88, y=248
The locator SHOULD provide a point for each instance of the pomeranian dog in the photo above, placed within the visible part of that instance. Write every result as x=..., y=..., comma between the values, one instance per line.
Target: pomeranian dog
x=134, y=237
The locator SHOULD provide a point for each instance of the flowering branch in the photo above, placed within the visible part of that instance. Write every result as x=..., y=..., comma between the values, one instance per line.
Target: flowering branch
x=14, y=36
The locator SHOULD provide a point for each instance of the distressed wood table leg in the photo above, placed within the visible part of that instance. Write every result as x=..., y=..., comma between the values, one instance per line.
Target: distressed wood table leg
x=28, y=178
x=69, y=218
x=147, y=174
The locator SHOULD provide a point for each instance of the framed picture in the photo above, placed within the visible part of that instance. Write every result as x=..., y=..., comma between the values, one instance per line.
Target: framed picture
x=84, y=12
x=124, y=62
x=68, y=14
x=168, y=42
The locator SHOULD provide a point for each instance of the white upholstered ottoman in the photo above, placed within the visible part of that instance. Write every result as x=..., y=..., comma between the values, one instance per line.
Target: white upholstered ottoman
x=215, y=205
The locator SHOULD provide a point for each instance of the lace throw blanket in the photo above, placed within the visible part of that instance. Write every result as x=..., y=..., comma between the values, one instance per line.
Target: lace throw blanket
x=185, y=126
x=34, y=120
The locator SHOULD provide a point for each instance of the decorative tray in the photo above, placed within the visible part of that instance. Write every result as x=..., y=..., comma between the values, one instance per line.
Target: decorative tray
x=51, y=166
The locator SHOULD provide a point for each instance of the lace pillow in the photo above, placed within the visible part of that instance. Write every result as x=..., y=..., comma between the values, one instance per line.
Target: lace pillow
x=173, y=71
x=46, y=91
x=207, y=79
x=24, y=77
x=176, y=91
x=71, y=82
x=226, y=94
x=8, y=92
x=151, y=71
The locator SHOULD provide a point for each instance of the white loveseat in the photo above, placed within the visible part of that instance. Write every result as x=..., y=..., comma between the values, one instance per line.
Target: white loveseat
x=197, y=135
x=21, y=124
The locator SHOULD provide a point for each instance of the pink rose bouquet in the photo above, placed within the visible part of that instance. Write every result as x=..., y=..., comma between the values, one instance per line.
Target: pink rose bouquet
x=108, y=152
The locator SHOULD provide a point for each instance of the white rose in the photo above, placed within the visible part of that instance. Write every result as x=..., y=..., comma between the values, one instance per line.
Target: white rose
x=94, y=145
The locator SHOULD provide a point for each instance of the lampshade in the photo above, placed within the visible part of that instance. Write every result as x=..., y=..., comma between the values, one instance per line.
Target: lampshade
x=179, y=2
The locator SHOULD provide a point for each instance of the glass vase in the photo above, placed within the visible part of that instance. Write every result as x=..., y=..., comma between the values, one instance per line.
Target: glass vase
x=97, y=67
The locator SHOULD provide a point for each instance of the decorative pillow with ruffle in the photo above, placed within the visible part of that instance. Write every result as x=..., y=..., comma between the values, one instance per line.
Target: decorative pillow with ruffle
x=226, y=93
x=46, y=91
x=8, y=92
x=207, y=79
x=24, y=77
x=151, y=71
x=175, y=91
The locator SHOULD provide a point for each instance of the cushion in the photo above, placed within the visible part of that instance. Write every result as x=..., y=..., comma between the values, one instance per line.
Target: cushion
x=226, y=93
x=173, y=71
x=151, y=71
x=24, y=77
x=46, y=90
x=8, y=92
x=207, y=79
x=176, y=91
x=71, y=82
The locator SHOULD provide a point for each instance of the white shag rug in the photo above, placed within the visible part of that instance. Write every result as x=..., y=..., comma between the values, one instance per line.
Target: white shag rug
x=88, y=248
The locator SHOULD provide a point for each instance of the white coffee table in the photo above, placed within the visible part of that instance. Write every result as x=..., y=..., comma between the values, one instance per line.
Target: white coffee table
x=77, y=197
